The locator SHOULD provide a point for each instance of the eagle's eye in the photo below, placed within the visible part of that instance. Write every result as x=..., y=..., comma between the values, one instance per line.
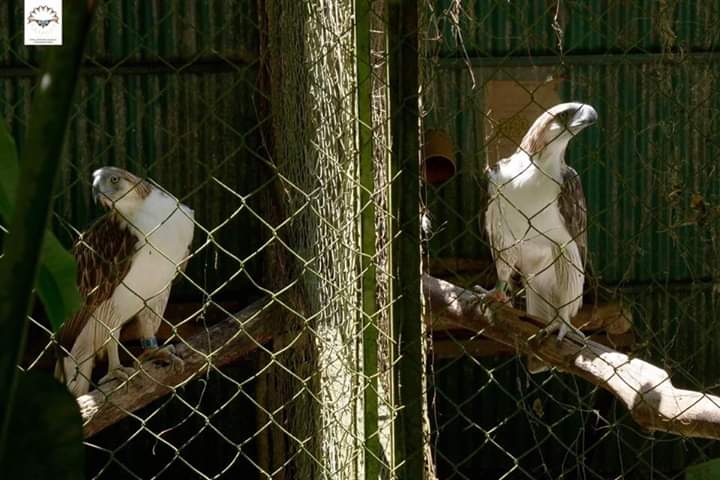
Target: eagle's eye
x=564, y=116
x=114, y=179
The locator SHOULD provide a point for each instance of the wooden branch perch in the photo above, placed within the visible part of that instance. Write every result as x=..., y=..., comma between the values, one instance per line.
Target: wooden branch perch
x=646, y=390
x=222, y=343
x=614, y=318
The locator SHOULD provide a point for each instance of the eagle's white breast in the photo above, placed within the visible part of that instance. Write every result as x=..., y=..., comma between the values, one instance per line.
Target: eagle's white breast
x=165, y=230
x=525, y=211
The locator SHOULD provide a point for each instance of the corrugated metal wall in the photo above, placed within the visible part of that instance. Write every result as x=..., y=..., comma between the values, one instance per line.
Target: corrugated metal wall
x=496, y=28
x=650, y=68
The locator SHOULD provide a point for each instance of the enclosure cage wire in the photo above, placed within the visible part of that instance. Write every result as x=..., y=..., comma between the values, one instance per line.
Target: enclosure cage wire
x=678, y=197
x=652, y=258
x=126, y=95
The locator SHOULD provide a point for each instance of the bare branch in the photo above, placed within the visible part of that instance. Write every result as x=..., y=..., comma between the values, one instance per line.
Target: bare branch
x=646, y=390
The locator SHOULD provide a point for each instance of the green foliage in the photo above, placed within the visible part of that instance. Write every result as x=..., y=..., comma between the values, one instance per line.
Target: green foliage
x=45, y=432
x=40, y=428
x=55, y=284
x=704, y=471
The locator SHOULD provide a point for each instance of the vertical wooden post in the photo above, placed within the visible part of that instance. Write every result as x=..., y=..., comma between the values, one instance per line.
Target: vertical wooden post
x=405, y=164
x=371, y=439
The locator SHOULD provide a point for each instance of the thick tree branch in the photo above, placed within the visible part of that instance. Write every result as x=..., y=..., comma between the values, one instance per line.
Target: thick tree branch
x=646, y=390
x=222, y=343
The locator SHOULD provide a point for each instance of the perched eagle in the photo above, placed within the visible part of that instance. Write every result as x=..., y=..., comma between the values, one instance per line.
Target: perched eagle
x=126, y=264
x=536, y=218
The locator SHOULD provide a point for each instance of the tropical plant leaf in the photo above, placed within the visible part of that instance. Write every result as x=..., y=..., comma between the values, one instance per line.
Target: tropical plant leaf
x=45, y=435
x=55, y=283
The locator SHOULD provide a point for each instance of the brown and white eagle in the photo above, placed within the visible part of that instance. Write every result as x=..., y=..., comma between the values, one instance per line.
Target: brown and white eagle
x=126, y=265
x=536, y=218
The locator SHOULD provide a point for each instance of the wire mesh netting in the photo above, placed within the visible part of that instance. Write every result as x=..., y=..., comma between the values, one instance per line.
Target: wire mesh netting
x=649, y=70
x=326, y=156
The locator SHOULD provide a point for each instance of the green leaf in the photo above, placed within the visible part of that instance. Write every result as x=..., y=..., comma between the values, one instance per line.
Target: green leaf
x=45, y=434
x=56, y=280
x=704, y=471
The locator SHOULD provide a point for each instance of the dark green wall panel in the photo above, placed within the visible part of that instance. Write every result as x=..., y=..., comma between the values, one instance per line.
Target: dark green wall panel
x=501, y=28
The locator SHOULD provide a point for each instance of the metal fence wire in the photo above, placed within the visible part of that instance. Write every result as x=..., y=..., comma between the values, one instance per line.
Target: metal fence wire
x=337, y=152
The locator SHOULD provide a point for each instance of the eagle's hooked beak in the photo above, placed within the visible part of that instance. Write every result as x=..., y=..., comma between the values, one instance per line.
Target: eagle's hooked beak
x=584, y=117
x=100, y=198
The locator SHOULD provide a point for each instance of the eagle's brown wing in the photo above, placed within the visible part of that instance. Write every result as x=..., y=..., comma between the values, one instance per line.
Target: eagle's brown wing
x=103, y=255
x=573, y=209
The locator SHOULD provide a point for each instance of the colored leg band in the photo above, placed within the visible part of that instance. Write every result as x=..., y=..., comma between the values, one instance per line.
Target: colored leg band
x=148, y=343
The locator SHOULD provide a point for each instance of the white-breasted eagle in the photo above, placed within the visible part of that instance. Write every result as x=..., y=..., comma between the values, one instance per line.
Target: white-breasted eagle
x=126, y=265
x=536, y=218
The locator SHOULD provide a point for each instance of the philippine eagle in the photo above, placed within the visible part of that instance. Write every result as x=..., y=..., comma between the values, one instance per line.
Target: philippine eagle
x=536, y=218
x=126, y=264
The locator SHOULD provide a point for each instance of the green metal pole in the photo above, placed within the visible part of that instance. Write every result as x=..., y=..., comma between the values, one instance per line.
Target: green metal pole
x=405, y=164
x=40, y=162
x=372, y=448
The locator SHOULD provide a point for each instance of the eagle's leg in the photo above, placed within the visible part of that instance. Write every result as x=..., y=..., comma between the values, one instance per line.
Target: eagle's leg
x=149, y=320
x=562, y=323
x=563, y=326
x=504, y=265
x=116, y=370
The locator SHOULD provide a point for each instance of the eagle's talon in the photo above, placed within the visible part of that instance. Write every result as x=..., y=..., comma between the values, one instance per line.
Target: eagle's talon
x=497, y=295
x=574, y=333
x=164, y=355
x=121, y=374
x=542, y=334
x=567, y=330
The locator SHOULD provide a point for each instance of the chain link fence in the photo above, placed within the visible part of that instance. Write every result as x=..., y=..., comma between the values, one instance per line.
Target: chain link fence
x=649, y=69
x=255, y=115
x=293, y=129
